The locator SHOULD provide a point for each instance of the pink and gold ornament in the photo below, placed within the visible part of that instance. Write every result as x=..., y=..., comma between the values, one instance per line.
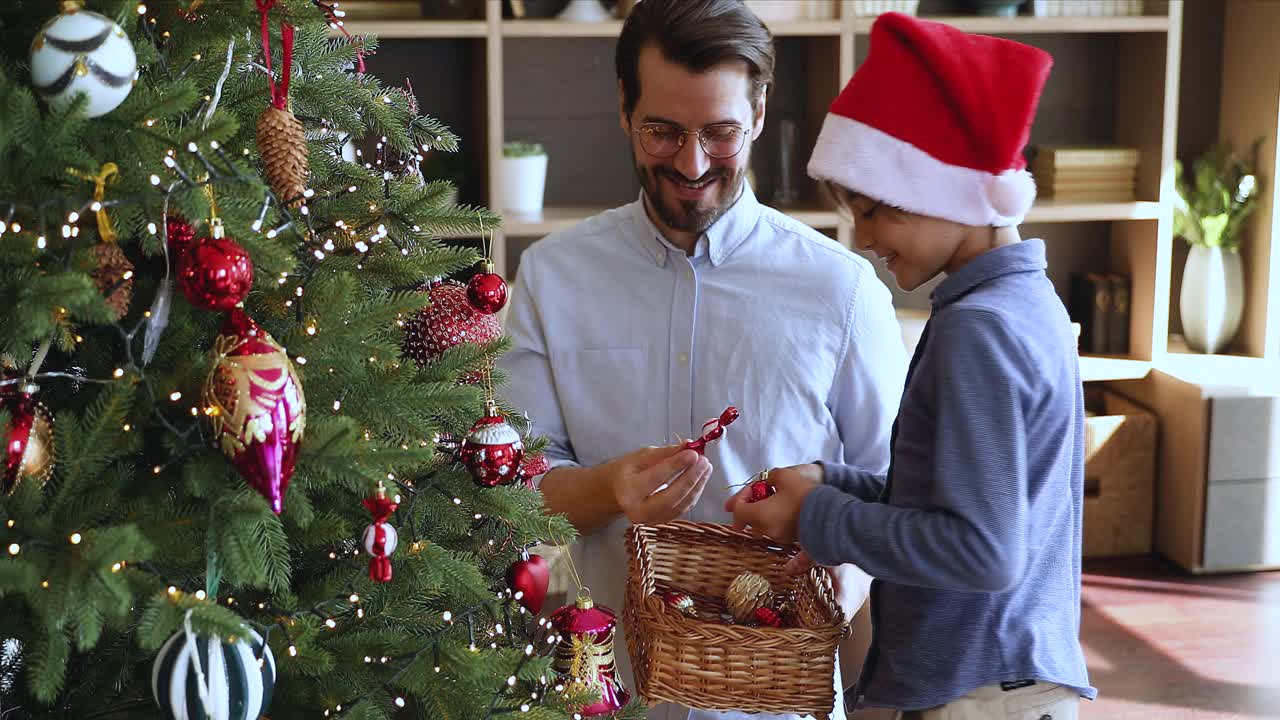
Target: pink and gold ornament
x=255, y=403
x=449, y=320
x=584, y=655
x=380, y=539
x=492, y=450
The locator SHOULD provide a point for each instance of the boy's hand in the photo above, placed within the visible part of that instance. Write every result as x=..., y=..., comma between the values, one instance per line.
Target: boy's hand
x=776, y=516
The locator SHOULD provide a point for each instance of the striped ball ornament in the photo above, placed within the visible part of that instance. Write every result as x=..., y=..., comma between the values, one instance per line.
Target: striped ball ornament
x=83, y=52
x=196, y=677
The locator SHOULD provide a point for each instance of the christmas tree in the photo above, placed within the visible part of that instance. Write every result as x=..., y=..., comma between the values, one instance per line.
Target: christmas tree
x=256, y=462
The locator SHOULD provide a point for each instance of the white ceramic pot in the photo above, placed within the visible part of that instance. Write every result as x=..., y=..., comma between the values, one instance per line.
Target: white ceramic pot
x=523, y=181
x=1212, y=299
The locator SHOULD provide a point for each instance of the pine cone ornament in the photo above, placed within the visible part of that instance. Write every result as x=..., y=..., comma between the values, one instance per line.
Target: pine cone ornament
x=746, y=593
x=113, y=277
x=282, y=143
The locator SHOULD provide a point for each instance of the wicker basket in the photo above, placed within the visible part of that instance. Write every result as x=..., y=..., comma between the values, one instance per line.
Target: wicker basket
x=705, y=663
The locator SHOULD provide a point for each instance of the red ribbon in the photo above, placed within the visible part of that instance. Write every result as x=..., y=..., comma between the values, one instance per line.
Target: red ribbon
x=332, y=17
x=713, y=429
x=380, y=569
x=279, y=95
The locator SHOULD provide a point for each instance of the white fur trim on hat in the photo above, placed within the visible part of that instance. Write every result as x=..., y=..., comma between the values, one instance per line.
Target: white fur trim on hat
x=880, y=166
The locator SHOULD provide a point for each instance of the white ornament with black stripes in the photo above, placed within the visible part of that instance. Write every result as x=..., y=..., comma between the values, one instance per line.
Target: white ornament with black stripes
x=83, y=52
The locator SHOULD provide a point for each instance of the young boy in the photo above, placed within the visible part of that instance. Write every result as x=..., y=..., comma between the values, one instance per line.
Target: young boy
x=974, y=535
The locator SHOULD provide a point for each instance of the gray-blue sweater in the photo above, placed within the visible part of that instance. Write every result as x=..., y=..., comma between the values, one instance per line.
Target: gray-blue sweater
x=973, y=538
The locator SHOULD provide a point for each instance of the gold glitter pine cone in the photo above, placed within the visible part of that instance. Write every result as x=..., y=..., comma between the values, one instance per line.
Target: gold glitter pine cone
x=282, y=143
x=747, y=592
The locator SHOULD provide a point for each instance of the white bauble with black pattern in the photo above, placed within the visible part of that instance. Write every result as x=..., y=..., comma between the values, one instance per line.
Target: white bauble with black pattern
x=83, y=52
x=196, y=677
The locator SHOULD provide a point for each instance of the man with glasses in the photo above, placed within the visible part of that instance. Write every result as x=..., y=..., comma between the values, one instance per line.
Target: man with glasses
x=636, y=326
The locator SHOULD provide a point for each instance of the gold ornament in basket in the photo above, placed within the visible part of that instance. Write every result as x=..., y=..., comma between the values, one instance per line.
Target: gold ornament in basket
x=706, y=661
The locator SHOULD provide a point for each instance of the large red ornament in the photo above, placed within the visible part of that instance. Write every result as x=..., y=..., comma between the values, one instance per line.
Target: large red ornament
x=256, y=406
x=712, y=430
x=214, y=272
x=380, y=539
x=493, y=450
x=528, y=579
x=28, y=437
x=584, y=654
x=487, y=291
x=448, y=321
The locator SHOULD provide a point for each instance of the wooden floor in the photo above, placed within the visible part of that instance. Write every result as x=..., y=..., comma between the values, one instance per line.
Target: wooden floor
x=1165, y=645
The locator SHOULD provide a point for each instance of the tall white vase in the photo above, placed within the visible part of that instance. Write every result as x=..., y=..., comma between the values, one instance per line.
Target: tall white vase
x=1212, y=300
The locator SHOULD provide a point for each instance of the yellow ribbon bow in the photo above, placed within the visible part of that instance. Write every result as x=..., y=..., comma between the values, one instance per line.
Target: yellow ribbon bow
x=108, y=171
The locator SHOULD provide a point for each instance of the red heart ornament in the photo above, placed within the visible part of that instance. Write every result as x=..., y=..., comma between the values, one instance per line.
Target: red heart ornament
x=528, y=579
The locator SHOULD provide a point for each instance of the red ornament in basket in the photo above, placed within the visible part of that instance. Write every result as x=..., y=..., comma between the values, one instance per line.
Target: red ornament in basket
x=584, y=655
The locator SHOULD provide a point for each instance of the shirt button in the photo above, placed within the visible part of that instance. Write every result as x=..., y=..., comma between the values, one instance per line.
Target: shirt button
x=683, y=358
x=688, y=272
x=660, y=255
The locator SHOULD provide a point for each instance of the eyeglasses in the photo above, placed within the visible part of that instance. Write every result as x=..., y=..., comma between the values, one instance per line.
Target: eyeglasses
x=721, y=142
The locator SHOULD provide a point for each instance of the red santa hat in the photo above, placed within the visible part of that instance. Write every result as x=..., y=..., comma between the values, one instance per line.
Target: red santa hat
x=935, y=121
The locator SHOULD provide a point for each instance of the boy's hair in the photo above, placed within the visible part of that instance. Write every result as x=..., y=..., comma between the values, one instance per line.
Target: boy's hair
x=842, y=199
x=697, y=34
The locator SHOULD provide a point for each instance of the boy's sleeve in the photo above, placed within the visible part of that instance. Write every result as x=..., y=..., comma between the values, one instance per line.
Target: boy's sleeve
x=868, y=384
x=850, y=480
x=973, y=536
x=531, y=385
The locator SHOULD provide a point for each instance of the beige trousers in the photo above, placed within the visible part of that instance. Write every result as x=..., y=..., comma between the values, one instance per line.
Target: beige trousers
x=1042, y=701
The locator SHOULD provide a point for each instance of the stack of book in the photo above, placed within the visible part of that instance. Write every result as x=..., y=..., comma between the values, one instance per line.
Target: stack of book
x=1086, y=8
x=1100, y=303
x=1072, y=173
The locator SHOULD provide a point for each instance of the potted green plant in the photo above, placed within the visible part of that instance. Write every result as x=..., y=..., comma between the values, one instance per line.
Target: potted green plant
x=524, y=176
x=1209, y=211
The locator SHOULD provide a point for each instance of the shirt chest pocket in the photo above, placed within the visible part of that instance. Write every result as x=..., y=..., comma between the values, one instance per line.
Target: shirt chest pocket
x=607, y=397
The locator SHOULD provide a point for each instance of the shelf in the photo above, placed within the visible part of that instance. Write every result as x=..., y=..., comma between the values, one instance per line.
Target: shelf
x=554, y=219
x=1051, y=211
x=1046, y=25
x=1218, y=369
x=612, y=28
x=1094, y=368
x=416, y=28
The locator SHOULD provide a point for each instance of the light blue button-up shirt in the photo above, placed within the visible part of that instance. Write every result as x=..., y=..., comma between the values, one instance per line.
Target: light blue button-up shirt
x=622, y=340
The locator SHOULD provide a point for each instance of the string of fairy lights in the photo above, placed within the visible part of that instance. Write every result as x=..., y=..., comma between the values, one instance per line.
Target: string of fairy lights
x=212, y=165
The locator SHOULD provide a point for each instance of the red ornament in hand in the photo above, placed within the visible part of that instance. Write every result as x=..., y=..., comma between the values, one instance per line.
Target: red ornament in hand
x=448, y=321
x=761, y=488
x=380, y=539
x=713, y=429
x=584, y=655
x=492, y=450
x=257, y=408
x=28, y=438
x=528, y=579
x=215, y=273
x=487, y=291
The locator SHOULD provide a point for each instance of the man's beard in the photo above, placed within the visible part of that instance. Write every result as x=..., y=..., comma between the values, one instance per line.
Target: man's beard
x=687, y=215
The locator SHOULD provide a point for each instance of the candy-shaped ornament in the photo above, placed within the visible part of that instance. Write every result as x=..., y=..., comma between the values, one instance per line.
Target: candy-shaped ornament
x=380, y=539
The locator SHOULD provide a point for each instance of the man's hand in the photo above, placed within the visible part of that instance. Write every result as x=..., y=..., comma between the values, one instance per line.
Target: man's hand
x=776, y=516
x=636, y=477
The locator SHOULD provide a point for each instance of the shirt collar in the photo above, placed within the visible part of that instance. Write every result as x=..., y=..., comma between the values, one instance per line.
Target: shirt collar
x=1025, y=256
x=718, y=241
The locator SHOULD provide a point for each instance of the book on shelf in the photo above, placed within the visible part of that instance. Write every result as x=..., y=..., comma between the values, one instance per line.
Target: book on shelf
x=1090, y=194
x=1100, y=173
x=1089, y=303
x=1086, y=8
x=1062, y=156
